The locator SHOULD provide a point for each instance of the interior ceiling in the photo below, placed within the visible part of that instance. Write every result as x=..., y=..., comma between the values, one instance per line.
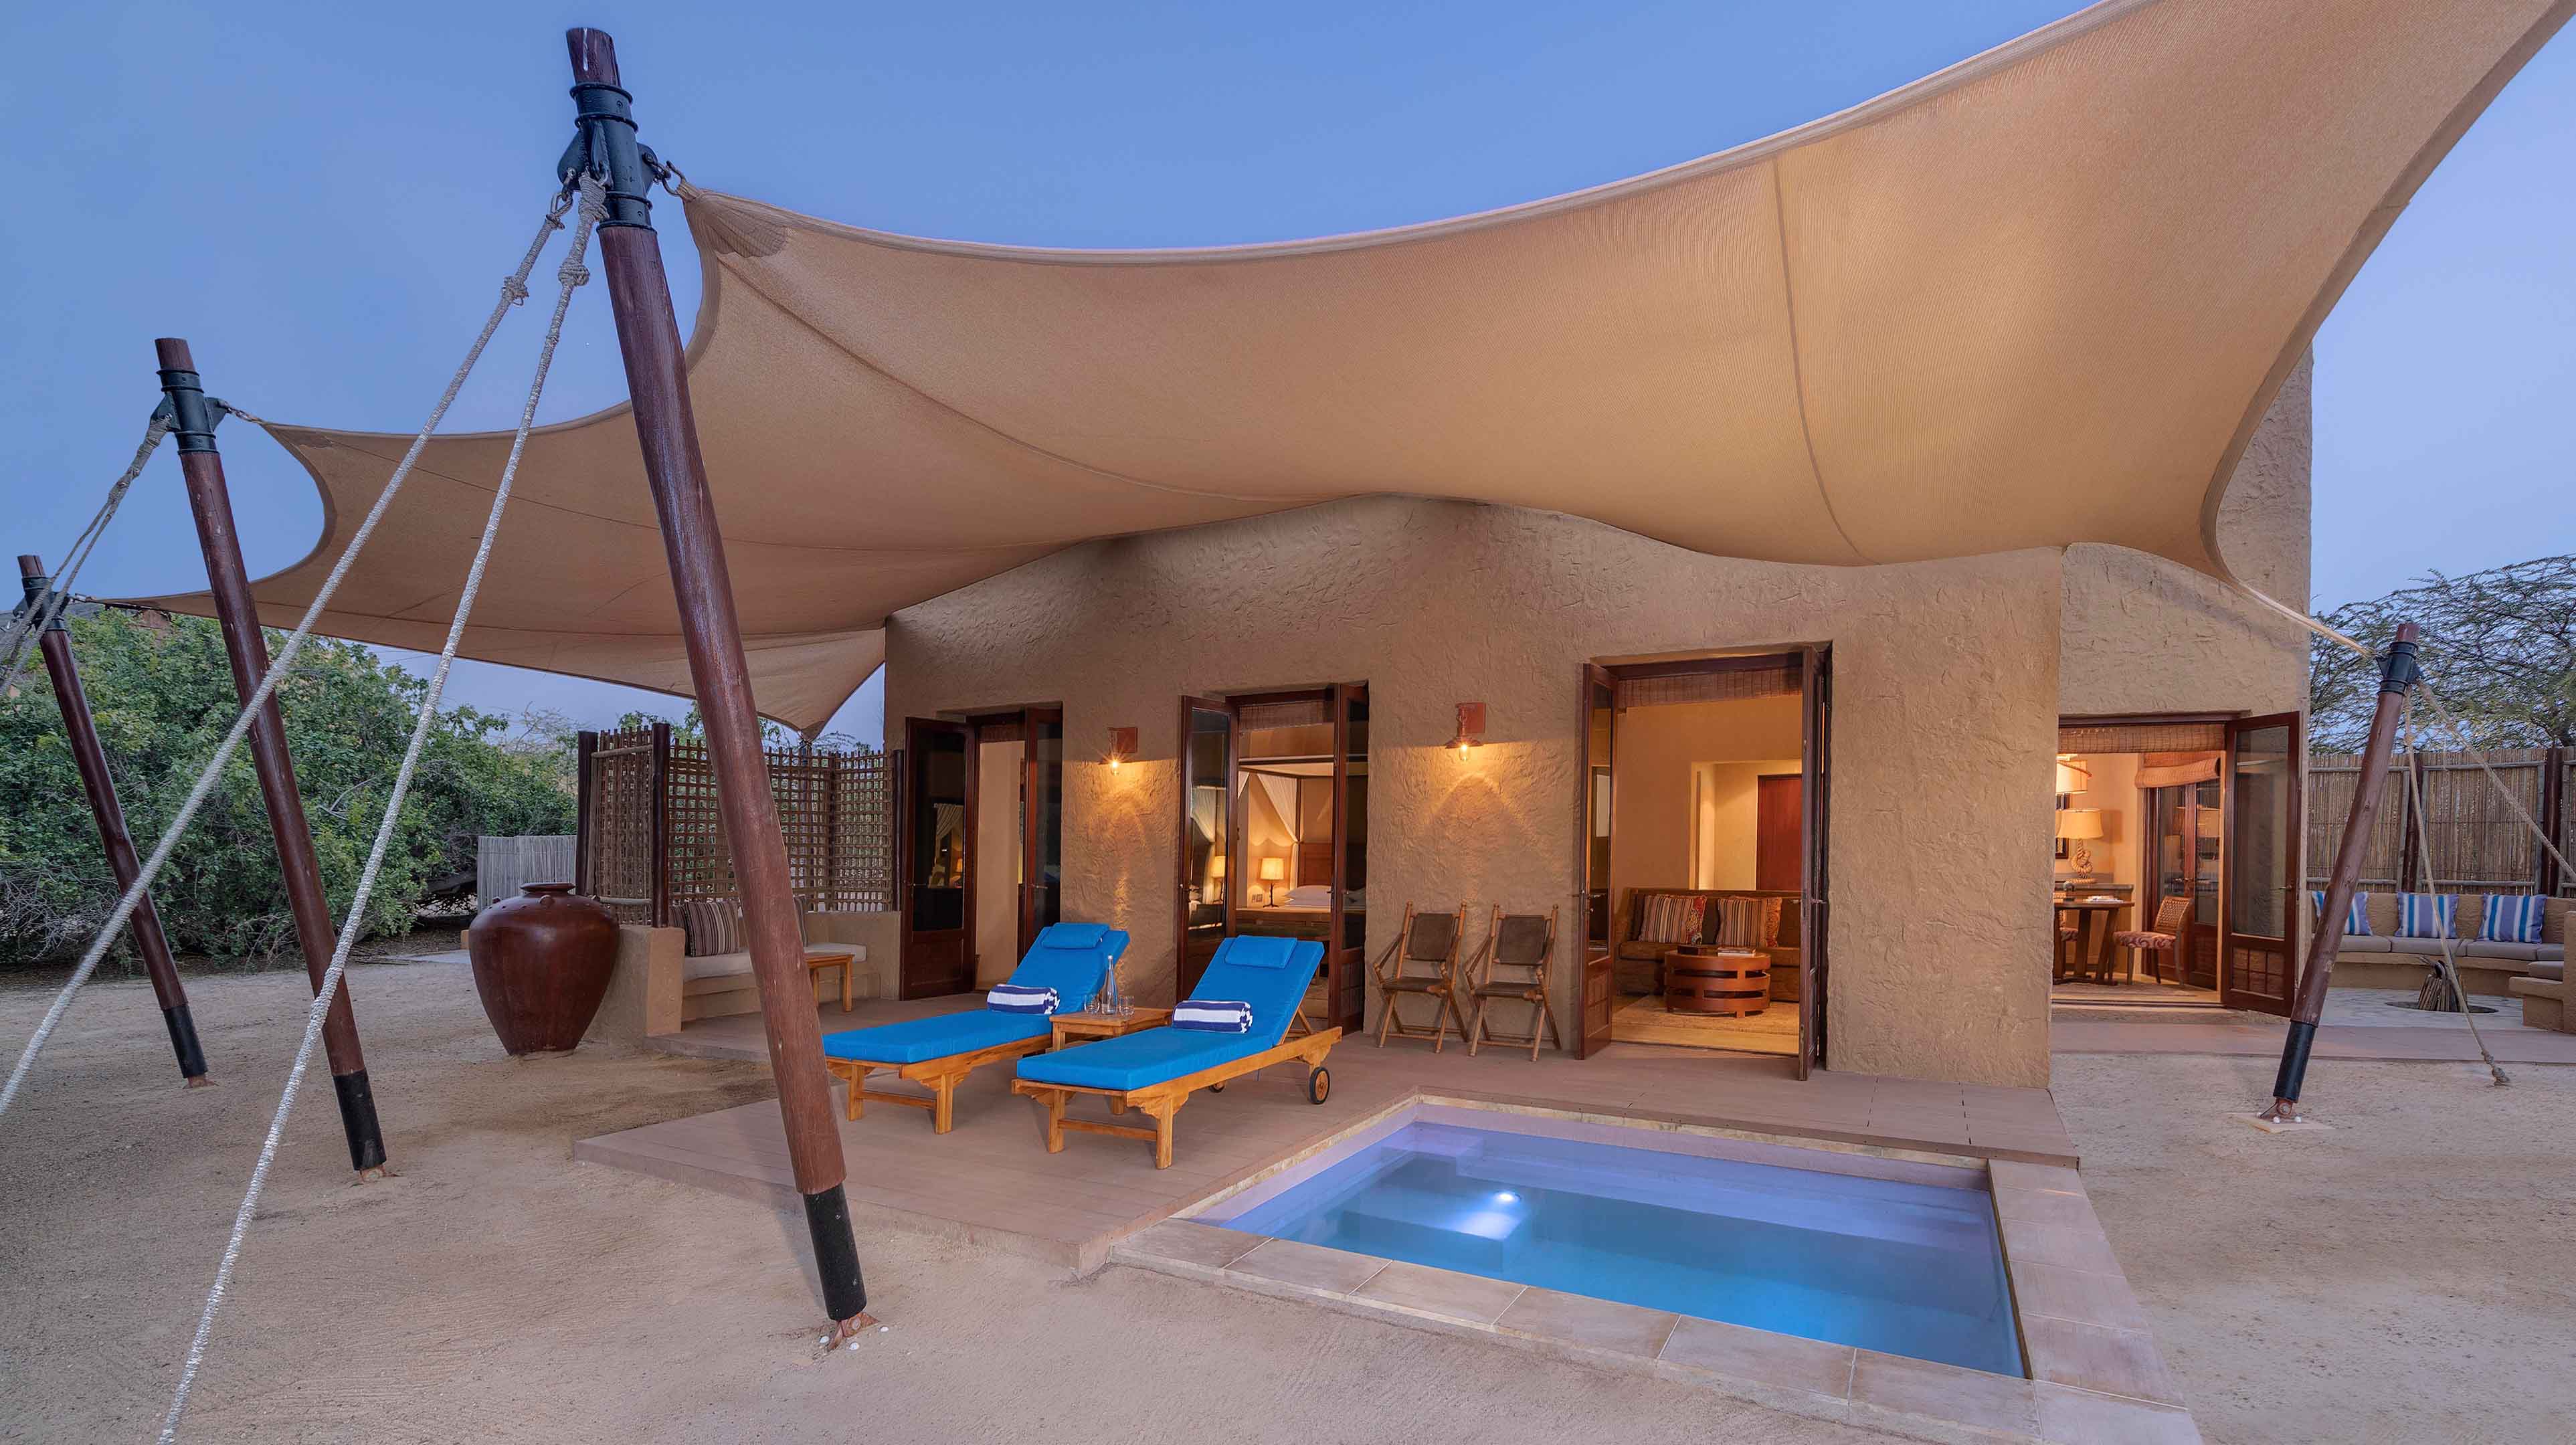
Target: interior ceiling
x=2040, y=298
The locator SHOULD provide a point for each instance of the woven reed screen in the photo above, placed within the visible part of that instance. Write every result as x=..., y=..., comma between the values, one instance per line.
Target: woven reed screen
x=834, y=811
x=618, y=816
x=1723, y=686
x=2142, y=738
x=2477, y=843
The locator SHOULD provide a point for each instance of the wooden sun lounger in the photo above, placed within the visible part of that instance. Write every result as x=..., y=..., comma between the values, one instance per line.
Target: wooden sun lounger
x=941, y=1075
x=1159, y=1102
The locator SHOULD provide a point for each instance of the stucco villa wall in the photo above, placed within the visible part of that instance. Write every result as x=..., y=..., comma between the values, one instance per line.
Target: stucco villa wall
x=1946, y=697
x=2144, y=635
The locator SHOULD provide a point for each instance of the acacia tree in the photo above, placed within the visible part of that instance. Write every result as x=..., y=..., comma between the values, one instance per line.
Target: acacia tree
x=2500, y=645
x=162, y=696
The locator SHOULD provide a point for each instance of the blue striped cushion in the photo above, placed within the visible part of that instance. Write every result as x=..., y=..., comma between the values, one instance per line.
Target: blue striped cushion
x=2427, y=915
x=2356, y=918
x=2513, y=919
x=1013, y=998
x=1216, y=1016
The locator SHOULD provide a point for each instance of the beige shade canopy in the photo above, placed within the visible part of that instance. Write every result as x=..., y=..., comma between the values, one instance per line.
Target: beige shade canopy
x=2037, y=299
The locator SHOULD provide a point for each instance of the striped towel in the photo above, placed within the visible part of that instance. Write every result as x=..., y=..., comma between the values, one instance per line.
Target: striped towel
x=2514, y=919
x=2356, y=919
x=1217, y=1016
x=1015, y=998
x=2427, y=915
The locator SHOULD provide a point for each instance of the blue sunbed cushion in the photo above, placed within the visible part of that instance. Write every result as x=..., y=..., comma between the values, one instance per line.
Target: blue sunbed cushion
x=1261, y=951
x=1213, y=1015
x=937, y=1037
x=1012, y=998
x=1242, y=970
x=1073, y=970
x=1153, y=1057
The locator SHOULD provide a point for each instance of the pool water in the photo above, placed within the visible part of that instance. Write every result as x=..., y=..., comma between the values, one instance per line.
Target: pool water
x=1900, y=1267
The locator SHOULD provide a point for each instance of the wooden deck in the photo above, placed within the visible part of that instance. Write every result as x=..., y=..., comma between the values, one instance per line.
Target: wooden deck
x=991, y=1181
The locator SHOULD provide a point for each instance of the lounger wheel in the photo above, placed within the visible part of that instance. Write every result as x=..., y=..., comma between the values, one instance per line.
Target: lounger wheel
x=1216, y=1088
x=1319, y=1084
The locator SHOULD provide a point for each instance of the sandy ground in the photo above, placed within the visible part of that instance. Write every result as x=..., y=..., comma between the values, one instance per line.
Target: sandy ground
x=497, y=1291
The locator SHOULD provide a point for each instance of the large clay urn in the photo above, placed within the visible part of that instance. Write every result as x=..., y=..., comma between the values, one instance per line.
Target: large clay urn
x=541, y=963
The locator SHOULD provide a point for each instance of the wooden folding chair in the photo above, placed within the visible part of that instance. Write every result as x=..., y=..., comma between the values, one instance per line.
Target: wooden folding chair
x=1522, y=943
x=1426, y=941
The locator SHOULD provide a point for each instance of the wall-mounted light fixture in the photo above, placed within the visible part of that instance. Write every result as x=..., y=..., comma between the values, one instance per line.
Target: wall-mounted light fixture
x=1122, y=747
x=1471, y=727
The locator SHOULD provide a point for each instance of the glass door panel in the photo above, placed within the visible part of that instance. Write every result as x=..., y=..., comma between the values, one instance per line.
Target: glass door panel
x=1042, y=823
x=2259, y=859
x=938, y=779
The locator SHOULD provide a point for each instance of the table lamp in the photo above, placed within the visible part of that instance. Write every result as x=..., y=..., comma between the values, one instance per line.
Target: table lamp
x=1274, y=871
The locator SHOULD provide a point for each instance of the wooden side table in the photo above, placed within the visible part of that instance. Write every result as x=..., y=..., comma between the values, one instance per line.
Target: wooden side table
x=845, y=957
x=1703, y=978
x=1086, y=1026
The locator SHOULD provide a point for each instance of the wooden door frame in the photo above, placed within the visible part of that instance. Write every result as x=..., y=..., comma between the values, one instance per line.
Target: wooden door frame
x=1030, y=785
x=1340, y=960
x=1185, y=888
x=2231, y=832
x=905, y=860
x=1589, y=967
x=1815, y=758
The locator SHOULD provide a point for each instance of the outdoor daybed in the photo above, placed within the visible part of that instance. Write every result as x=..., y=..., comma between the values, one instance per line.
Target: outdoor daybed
x=1157, y=1070
x=941, y=1051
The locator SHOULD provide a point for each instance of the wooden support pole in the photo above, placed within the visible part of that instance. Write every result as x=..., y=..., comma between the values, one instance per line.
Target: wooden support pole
x=648, y=337
x=145, y=926
x=229, y=581
x=2398, y=674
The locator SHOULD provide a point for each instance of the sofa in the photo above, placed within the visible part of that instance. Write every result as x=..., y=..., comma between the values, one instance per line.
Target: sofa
x=657, y=986
x=2488, y=970
x=1639, y=963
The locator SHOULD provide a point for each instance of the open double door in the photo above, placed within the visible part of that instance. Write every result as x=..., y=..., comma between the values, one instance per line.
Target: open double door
x=947, y=858
x=1212, y=853
x=1598, y=997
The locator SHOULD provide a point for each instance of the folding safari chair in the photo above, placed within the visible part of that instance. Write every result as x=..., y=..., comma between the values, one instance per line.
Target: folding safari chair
x=1422, y=960
x=1521, y=943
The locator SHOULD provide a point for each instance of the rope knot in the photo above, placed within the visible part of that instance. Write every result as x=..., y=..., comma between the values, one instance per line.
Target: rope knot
x=573, y=274
x=513, y=290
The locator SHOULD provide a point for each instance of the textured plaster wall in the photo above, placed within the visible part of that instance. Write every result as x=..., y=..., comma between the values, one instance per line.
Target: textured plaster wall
x=2144, y=635
x=1946, y=689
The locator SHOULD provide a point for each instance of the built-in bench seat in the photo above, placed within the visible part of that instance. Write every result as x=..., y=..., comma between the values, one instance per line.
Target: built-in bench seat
x=2490, y=970
x=657, y=986
x=2543, y=992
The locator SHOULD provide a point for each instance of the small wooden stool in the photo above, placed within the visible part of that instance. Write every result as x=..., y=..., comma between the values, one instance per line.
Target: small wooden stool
x=820, y=956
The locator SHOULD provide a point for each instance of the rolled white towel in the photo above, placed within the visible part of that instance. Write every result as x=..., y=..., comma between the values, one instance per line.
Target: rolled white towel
x=1013, y=998
x=1218, y=1016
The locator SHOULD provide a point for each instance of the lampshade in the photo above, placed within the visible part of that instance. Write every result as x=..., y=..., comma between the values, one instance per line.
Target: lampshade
x=1216, y=865
x=1274, y=870
x=2079, y=823
x=2072, y=777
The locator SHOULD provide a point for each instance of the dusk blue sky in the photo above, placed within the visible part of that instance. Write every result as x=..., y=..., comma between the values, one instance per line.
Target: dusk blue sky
x=324, y=198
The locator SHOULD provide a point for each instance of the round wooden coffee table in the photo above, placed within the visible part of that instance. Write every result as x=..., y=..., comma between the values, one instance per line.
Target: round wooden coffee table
x=1702, y=978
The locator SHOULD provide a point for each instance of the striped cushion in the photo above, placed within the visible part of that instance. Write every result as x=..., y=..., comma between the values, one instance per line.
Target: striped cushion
x=1671, y=918
x=2427, y=915
x=1217, y=1016
x=713, y=926
x=2514, y=919
x=2356, y=919
x=1740, y=922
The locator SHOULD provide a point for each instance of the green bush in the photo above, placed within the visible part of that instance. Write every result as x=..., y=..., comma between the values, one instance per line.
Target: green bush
x=163, y=698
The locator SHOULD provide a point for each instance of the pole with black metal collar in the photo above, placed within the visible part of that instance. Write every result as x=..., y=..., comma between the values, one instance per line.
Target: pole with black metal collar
x=2398, y=674
x=145, y=926
x=648, y=336
x=193, y=417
